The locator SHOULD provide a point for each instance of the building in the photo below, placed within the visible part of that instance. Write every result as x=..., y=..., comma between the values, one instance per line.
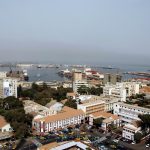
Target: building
x=132, y=88
x=68, y=145
x=66, y=117
x=91, y=104
x=129, y=131
x=112, y=78
x=117, y=90
x=78, y=81
x=5, y=129
x=145, y=90
x=129, y=113
x=71, y=95
x=37, y=110
x=3, y=74
x=8, y=87
x=108, y=119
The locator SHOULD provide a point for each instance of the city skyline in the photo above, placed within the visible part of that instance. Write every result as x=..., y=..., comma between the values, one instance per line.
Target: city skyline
x=75, y=31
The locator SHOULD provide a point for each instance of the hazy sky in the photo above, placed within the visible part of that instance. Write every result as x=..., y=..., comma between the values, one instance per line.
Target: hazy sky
x=76, y=31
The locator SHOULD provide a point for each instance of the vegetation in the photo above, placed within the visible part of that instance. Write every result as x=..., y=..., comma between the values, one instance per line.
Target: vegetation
x=71, y=103
x=145, y=118
x=137, y=137
x=98, y=122
x=12, y=109
x=92, y=91
x=43, y=94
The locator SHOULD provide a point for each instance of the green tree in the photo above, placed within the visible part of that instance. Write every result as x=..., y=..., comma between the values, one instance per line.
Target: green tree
x=98, y=122
x=83, y=89
x=137, y=137
x=71, y=103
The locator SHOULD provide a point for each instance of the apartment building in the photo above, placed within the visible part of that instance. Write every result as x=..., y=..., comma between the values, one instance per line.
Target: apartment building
x=8, y=87
x=66, y=117
x=117, y=90
x=129, y=113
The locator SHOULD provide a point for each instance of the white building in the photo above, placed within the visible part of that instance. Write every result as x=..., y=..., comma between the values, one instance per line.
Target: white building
x=8, y=87
x=117, y=91
x=67, y=117
x=129, y=113
x=132, y=88
x=78, y=84
x=129, y=131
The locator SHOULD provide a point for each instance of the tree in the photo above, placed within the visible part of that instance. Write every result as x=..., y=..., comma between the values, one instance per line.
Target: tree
x=71, y=103
x=145, y=118
x=83, y=89
x=19, y=90
x=98, y=122
x=137, y=137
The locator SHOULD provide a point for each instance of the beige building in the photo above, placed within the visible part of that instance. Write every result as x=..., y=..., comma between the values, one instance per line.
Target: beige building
x=108, y=119
x=94, y=104
x=66, y=117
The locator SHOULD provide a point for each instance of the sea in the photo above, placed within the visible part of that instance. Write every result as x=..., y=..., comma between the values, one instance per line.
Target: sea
x=51, y=74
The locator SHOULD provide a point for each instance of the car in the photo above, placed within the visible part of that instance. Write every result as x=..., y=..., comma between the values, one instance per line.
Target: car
x=115, y=140
x=133, y=142
x=147, y=145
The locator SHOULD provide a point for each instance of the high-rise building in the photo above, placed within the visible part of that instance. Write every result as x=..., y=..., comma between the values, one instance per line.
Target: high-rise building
x=8, y=87
x=112, y=78
x=78, y=81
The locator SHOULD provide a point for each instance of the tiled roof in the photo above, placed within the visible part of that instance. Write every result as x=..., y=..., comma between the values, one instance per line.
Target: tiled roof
x=66, y=112
x=2, y=122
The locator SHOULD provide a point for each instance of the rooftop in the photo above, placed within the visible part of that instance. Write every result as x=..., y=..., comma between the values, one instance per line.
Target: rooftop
x=134, y=106
x=2, y=122
x=66, y=112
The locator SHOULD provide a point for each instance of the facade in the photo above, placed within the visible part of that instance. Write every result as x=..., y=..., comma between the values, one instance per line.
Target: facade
x=92, y=105
x=117, y=91
x=78, y=81
x=129, y=131
x=112, y=78
x=132, y=88
x=129, y=113
x=67, y=117
x=8, y=87
x=108, y=119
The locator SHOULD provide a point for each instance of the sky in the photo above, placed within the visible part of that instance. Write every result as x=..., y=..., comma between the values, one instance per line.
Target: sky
x=75, y=31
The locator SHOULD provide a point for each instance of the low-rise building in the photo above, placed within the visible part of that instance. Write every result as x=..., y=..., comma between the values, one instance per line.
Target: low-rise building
x=68, y=145
x=36, y=109
x=91, y=105
x=129, y=131
x=129, y=113
x=71, y=95
x=66, y=117
x=5, y=129
x=108, y=119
